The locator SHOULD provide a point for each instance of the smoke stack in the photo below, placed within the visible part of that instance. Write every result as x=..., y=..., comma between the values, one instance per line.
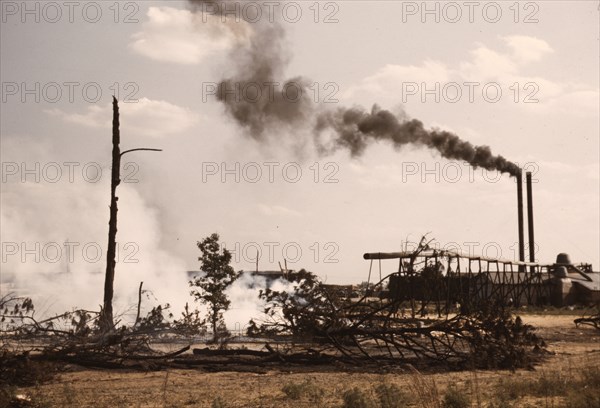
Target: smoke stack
x=520, y=217
x=530, y=218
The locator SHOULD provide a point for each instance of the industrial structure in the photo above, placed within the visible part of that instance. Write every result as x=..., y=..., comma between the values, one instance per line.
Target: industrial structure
x=446, y=278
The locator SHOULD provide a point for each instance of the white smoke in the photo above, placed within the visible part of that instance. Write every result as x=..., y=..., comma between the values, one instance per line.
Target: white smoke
x=245, y=304
x=54, y=238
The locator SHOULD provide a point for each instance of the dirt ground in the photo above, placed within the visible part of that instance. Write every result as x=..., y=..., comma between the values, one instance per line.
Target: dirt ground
x=575, y=349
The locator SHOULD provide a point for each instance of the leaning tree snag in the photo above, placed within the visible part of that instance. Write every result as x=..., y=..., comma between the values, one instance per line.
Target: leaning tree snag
x=106, y=320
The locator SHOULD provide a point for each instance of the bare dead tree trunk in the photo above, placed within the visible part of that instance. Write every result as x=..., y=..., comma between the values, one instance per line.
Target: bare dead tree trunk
x=106, y=319
x=107, y=310
x=137, y=317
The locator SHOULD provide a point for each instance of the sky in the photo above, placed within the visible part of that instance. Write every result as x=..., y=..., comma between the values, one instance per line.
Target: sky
x=519, y=77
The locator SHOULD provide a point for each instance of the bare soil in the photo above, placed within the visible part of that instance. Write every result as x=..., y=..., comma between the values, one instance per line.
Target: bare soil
x=573, y=349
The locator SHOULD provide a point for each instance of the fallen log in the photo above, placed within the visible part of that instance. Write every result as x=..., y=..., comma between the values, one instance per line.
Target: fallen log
x=229, y=352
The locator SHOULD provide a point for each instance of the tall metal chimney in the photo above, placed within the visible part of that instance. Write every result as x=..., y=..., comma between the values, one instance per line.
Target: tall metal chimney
x=520, y=217
x=530, y=218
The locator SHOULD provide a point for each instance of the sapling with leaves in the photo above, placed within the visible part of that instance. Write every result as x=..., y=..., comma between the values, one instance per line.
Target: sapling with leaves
x=209, y=288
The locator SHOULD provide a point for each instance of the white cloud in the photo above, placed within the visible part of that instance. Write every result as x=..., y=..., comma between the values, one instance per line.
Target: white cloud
x=277, y=210
x=94, y=117
x=429, y=72
x=183, y=37
x=585, y=103
x=487, y=66
x=527, y=49
x=146, y=117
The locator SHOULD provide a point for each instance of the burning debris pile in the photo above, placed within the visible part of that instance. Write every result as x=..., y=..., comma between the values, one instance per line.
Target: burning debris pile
x=368, y=329
x=305, y=323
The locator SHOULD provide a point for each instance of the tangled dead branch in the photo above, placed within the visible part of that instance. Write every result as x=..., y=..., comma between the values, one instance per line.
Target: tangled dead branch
x=482, y=334
x=593, y=320
x=317, y=323
x=76, y=337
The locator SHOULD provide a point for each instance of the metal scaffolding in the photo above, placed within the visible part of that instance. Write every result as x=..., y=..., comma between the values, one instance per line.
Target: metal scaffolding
x=445, y=278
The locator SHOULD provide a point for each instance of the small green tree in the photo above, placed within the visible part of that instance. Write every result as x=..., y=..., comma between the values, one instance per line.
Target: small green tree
x=210, y=287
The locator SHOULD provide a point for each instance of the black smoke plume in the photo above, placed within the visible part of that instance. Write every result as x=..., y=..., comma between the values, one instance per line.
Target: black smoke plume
x=259, y=64
x=355, y=128
x=255, y=96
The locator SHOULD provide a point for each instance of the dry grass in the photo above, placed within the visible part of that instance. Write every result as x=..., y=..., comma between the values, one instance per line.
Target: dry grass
x=425, y=389
x=571, y=378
